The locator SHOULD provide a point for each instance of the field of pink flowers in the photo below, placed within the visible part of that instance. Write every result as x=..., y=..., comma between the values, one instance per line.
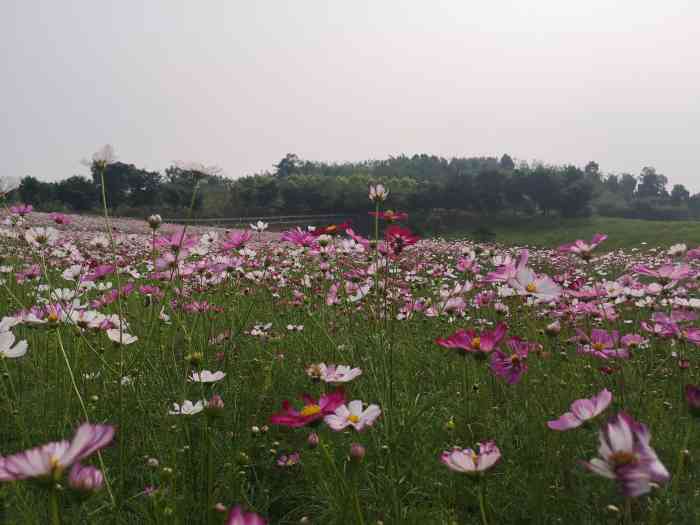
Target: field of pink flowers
x=163, y=374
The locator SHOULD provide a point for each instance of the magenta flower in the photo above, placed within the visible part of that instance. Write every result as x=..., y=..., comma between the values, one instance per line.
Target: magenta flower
x=51, y=460
x=467, y=461
x=21, y=209
x=312, y=411
x=601, y=344
x=692, y=397
x=299, y=237
x=289, y=460
x=399, y=238
x=390, y=215
x=626, y=456
x=511, y=367
x=582, y=248
x=582, y=410
x=474, y=342
x=85, y=479
x=507, y=268
x=238, y=517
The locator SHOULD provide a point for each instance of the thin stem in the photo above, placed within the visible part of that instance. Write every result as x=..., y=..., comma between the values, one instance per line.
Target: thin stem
x=482, y=504
x=53, y=507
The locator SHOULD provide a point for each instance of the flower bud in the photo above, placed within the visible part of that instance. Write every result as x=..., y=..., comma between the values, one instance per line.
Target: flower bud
x=215, y=406
x=357, y=452
x=154, y=221
x=313, y=440
x=692, y=397
x=85, y=479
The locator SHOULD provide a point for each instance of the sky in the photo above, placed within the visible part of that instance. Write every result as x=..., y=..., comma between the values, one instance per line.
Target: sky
x=240, y=83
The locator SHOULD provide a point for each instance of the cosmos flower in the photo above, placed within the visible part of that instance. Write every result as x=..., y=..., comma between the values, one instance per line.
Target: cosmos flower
x=187, y=408
x=259, y=226
x=475, y=342
x=51, y=460
x=626, y=456
x=7, y=340
x=21, y=209
x=511, y=367
x=353, y=415
x=237, y=517
x=87, y=479
x=205, y=376
x=236, y=240
x=299, y=237
x=468, y=461
x=312, y=411
x=399, y=238
x=601, y=344
x=289, y=460
x=378, y=193
x=61, y=219
x=541, y=287
x=582, y=410
x=333, y=373
x=390, y=215
x=120, y=337
x=582, y=248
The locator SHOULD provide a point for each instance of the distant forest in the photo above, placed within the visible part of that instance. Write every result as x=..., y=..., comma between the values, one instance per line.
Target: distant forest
x=421, y=184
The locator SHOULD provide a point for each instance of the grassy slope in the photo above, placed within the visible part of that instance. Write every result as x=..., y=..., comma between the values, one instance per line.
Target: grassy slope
x=623, y=233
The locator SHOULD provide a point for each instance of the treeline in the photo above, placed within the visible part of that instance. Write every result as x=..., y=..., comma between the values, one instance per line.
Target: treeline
x=485, y=186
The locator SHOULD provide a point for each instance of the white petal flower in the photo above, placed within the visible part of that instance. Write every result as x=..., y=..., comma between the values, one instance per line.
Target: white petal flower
x=206, y=376
x=7, y=339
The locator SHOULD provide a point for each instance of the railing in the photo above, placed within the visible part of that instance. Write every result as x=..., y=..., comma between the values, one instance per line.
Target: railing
x=271, y=220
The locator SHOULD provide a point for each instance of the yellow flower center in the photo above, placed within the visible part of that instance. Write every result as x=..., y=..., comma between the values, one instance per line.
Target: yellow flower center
x=476, y=343
x=531, y=288
x=310, y=410
x=515, y=359
x=622, y=458
x=598, y=346
x=353, y=418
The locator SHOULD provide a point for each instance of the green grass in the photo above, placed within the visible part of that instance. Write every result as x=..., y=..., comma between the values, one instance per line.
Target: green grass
x=622, y=233
x=432, y=399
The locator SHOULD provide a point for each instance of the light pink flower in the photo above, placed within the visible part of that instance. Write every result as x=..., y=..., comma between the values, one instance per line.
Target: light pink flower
x=353, y=415
x=582, y=410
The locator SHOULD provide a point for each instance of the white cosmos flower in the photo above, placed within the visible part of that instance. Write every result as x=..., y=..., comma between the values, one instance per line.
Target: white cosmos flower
x=187, y=408
x=259, y=226
x=7, y=339
x=121, y=337
x=338, y=374
x=353, y=415
x=206, y=376
x=41, y=236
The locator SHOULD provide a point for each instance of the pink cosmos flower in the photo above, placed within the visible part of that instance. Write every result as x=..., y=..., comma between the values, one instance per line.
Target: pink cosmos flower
x=508, y=269
x=582, y=248
x=474, y=342
x=632, y=341
x=299, y=237
x=353, y=415
x=236, y=240
x=666, y=272
x=582, y=410
x=100, y=272
x=626, y=456
x=51, y=460
x=86, y=479
x=312, y=411
x=237, y=517
x=511, y=367
x=60, y=218
x=176, y=242
x=289, y=460
x=601, y=344
x=334, y=373
x=468, y=461
x=21, y=209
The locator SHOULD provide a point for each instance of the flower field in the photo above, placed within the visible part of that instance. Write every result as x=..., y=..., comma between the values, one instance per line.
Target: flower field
x=160, y=374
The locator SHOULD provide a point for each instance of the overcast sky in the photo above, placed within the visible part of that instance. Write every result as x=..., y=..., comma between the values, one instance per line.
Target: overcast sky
x=239, y=83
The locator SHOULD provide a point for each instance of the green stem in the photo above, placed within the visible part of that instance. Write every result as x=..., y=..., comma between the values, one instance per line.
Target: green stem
x=482, y=504
x=53, y=507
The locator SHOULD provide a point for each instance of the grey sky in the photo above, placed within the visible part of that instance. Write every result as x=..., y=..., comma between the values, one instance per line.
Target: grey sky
x=239, y=83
